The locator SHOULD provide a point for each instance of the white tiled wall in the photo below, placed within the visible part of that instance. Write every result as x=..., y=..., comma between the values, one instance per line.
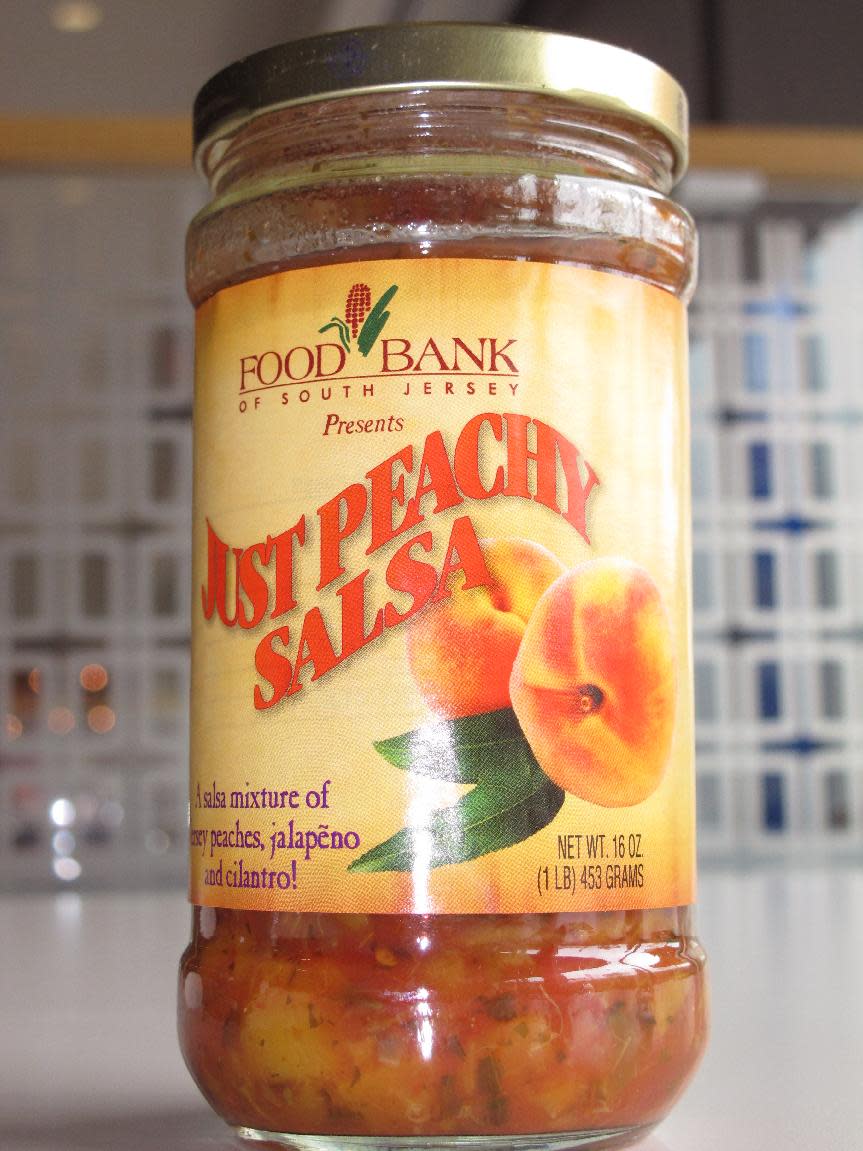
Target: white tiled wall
x=95, y=395
x=778, y=509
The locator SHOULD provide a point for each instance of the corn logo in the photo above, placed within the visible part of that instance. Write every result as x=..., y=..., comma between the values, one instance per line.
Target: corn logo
x=362, y=322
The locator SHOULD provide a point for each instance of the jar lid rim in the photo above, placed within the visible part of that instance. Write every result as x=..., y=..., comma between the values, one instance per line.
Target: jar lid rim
x=404, y=57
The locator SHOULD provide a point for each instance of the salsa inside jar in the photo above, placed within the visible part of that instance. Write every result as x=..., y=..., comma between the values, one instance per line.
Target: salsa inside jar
x=424, y=1008
x=442, y=1025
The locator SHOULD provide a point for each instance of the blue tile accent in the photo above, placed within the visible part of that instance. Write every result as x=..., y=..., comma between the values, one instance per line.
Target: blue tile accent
x=730, y=416
x=781, y=304
x=736, y=636
x=793, y=525
x=773, y=813
x=764, y=573
x=801, y=745
x=760, y=471
x=769, y=691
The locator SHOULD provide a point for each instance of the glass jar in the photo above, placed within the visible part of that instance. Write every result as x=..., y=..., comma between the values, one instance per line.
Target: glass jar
x=499, y=1023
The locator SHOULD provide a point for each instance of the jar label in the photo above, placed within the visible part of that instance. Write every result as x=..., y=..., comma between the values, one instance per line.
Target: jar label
x=441, y=623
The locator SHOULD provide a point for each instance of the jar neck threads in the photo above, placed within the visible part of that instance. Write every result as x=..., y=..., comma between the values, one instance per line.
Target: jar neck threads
x=438, y=131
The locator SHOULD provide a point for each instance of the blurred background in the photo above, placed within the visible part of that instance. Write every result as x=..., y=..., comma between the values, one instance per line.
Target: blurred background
x=96, y=191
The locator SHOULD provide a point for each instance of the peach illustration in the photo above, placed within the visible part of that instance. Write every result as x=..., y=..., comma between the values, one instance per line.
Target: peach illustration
x=461, y=650
x=594, y=683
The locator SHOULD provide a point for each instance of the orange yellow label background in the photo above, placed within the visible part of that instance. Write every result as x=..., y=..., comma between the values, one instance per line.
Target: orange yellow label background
x=599, y=356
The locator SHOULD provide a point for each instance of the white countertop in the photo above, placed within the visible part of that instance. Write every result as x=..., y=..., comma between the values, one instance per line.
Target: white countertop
x=89, y=1058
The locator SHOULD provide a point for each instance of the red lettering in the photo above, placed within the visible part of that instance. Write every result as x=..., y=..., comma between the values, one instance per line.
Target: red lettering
x=435, y=478
x=431, y=349
x=354, y=634
x=210, y=592
x=253, y=584
x=500, y=354
x=307, y=355
x=518, y=454
x=463, y=553
x=468, y=454
x=460, y=346
x=314, y=649
x=411, y=576
x=283, y=547
x=274, y=668
x=387, y=492
x=320, y=370
x=247, y=368
x=390, y=351
x=215, y=595
x=260, y=368
x=339, y=518
x=550, y=446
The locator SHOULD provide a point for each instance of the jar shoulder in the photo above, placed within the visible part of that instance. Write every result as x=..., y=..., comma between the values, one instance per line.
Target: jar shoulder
x=584, y=221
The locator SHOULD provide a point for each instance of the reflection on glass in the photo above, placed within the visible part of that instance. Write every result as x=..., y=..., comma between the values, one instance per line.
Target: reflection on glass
x=67, y=868
x=62, y=812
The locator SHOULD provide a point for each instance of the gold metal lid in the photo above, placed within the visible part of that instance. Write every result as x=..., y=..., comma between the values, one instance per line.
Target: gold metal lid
x=401, y=57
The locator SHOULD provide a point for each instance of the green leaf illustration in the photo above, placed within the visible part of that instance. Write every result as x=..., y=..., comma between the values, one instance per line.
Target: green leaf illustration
x=455, y=750
x=344, y=331
x=375, y=321
x=513, y=797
